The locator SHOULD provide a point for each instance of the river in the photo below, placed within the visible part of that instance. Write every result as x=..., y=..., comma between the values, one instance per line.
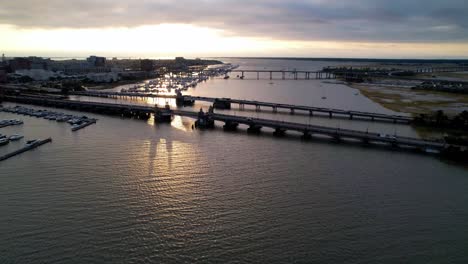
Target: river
x=132, y=191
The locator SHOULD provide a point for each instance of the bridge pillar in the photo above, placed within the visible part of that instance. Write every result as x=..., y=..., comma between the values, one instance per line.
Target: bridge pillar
x=222, y=103
x=330, y=114
x=311, y=113
x=365, y=141
x=283, y=75
x=271, y=75
x=336, y=137
x=275, y=109
x=350, y=117
x=254, y=129
x=258, y=76
x=292, y=111
x=241, y=106
x=230, y=126
x=306, y=135
x=257, y=108
x=295, y=75
x=204, y=120
x=279, y=132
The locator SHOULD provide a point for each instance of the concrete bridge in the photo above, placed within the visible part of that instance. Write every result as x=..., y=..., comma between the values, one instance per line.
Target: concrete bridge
x=226, y=103
x=232, y=122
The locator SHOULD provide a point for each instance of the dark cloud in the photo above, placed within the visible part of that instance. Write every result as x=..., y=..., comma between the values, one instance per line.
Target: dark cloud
x=354, y=20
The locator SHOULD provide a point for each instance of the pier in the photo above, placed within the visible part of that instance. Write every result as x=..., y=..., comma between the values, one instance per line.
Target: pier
x=26, y=148
x=254, y=124
x=226, y=103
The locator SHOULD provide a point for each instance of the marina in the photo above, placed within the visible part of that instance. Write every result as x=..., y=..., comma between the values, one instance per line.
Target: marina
x=77, y=122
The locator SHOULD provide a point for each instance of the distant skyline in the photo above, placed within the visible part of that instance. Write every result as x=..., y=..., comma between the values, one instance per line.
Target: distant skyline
x=207, y=28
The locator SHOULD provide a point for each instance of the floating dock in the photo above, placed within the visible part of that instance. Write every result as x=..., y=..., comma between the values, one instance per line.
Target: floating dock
x=26, y=148
x=85, y=124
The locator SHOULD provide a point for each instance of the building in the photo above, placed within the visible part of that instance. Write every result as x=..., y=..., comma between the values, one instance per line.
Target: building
x=3, y=74
x=147, y=65
x=20, y=64
x=38, y=63
x=96, y=61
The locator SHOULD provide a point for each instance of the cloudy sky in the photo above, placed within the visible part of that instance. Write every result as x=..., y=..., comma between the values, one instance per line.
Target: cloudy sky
x=302, y=28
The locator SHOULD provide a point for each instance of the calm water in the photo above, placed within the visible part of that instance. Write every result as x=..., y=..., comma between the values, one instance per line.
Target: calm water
x=130, y=191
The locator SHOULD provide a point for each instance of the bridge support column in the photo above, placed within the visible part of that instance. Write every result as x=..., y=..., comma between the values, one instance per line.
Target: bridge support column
x=330, y=114
x=311, y=113
x=257, y=108
x=336, y=137
x=230, y=126
x=258, y=76
x=365, y=141
x=271, y=75
x=279, y=132
x=283, y=75
x=241, y=106
x=275, y=109
x=254, y=129
x=292, y=111
x=350, y=117
x=221, y=104
x=306, y=135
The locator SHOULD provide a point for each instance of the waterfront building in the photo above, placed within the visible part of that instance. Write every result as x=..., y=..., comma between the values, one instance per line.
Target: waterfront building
x=147, y=65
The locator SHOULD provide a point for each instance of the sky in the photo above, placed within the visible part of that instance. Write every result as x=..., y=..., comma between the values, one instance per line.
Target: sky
x=258, y=28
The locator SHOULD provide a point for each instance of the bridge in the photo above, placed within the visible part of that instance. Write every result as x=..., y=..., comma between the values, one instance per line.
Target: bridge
x=232, y=122
x=225, y=103
x=303, y=75
x=463, y=67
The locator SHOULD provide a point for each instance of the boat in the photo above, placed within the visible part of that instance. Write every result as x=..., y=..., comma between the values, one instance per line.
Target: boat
x=226, y=77
x=16, y=137
x=4, y=141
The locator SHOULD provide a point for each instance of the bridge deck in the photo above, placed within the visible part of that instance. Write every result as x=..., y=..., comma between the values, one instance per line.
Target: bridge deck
x=274, y=124
x=274, y=106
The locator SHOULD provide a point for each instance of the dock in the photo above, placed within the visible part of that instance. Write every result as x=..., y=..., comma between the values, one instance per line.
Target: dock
x=26, y=148
x=85, y=124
